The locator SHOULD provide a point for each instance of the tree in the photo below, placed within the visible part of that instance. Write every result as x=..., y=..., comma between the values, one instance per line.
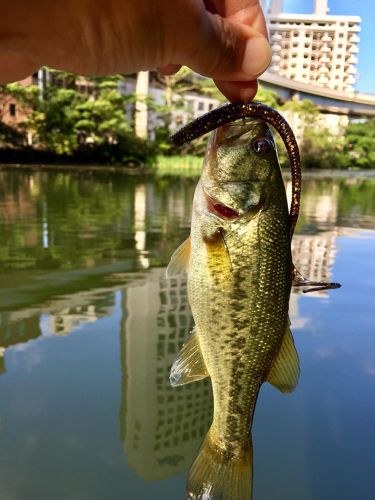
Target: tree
x=53, y=120
x=102, y=118
x=267, y=96
x=360, y=143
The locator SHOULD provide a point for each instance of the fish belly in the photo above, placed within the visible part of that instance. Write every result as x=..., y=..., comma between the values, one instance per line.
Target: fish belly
x=239, y=290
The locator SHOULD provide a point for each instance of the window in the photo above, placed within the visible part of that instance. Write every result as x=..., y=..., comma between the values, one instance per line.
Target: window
x=12, y=109
x=200, y=106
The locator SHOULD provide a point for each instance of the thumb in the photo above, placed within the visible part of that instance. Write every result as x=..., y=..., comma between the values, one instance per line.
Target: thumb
x=229, y=51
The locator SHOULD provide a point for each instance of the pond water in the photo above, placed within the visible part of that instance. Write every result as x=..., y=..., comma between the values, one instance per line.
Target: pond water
x=89, y=328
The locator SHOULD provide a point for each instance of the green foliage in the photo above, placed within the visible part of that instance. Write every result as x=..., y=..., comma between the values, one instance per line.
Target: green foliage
x=266, y=96
x=54, y=119
x=66, y=122
x=360, y=143
x=102, y=120
x=319, y=147
x=305, y=108
x=95, y=125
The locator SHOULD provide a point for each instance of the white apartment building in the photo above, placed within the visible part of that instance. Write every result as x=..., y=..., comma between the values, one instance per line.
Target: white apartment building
x=314, y=48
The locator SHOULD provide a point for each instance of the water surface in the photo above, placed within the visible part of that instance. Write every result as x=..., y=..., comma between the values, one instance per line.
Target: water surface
x=89, y=328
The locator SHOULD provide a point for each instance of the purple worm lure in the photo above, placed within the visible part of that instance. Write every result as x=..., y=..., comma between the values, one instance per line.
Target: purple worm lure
x=231, y=112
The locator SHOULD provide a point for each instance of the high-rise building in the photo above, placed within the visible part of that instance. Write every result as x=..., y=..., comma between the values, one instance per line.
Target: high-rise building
x=314, y=48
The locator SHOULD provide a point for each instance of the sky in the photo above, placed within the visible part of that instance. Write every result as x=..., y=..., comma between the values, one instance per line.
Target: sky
x=365, y=9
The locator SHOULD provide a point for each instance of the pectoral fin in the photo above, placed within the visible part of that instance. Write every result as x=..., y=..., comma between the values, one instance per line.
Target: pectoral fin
x=284, y=372
x=180, y=260
x=189, y=365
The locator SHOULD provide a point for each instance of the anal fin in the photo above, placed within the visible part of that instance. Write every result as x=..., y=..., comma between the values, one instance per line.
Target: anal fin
x=189, y=365
x=284, y=372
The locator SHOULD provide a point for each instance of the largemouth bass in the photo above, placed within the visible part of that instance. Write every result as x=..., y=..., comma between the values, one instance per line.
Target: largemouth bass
x=239, y=267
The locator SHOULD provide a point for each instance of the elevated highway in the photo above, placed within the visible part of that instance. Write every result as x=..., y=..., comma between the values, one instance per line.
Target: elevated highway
x=335, y=102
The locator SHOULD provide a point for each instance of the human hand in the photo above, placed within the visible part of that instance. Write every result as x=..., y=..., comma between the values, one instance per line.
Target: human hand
x=222, y=39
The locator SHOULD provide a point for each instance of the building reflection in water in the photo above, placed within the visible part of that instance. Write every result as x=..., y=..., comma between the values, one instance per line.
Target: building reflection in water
x=140, y=211
x=16, y=329
x=314, y=257
x=162, y=426
x=60, y=317
x=314, y=254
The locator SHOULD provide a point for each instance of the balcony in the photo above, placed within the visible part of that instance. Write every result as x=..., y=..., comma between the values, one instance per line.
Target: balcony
x=354, y=39
x=352, y=60
x=322, y=80
x=326, y=38
x=276, y=37
x=324, y=60
x=353, y=50
x=325, y=49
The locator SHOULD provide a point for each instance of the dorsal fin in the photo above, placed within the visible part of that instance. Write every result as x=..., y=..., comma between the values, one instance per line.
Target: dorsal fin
x=189, y=365
x=180, y=260
x=284, y=372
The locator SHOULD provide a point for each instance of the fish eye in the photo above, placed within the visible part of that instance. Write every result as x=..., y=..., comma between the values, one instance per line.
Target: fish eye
x=261, y=146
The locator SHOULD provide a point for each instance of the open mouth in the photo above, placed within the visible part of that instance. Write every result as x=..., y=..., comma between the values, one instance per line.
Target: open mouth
x=221, y=210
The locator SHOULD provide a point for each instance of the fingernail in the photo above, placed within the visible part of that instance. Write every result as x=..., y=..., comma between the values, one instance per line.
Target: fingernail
x=257, y=56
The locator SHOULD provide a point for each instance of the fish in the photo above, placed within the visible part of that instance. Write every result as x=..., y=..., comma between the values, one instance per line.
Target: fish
x=239, y=276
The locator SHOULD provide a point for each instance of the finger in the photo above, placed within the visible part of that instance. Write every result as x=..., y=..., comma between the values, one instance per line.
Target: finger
x=238, y=91
x=225, y=50
x=170, y=69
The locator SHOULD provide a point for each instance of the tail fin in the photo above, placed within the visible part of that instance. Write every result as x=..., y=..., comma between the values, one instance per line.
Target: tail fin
x=217, y=474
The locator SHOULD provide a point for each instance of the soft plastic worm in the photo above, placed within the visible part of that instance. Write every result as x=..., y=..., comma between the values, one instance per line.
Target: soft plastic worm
x=231, y=112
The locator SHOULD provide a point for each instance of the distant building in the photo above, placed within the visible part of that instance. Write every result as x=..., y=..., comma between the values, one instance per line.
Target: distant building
x=317, y=48
x=11, y=112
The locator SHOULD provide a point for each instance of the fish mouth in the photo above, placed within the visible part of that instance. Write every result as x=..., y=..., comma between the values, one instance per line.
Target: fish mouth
x=221, y=210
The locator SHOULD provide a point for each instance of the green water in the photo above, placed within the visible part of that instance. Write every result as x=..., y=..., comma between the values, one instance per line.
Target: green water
x=89, y=328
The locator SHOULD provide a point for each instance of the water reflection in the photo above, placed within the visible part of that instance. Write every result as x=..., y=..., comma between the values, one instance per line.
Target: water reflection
x=161, y=426
x=78, y=250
